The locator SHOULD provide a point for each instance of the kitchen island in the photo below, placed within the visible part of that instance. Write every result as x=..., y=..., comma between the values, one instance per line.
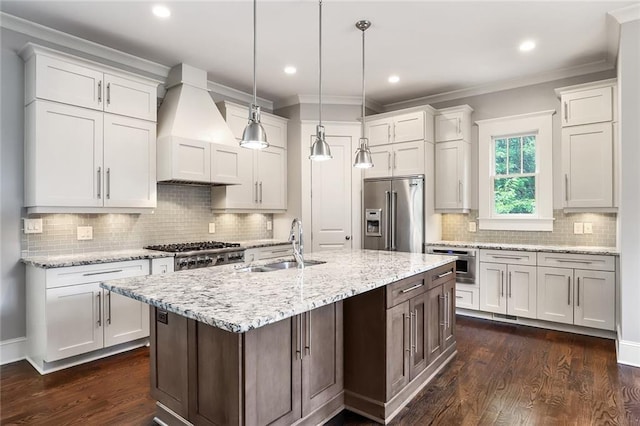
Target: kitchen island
x=363, y=330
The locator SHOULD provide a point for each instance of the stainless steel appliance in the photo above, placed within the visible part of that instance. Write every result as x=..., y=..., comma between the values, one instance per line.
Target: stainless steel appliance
x=465, y=265
x=394, y=213
x=202, y=254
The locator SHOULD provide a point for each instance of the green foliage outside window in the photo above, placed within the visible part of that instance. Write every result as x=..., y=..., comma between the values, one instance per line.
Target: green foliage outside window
x=515, y=182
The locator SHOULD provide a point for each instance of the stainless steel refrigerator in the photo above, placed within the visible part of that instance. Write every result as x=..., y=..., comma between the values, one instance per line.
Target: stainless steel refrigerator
x=394, y=213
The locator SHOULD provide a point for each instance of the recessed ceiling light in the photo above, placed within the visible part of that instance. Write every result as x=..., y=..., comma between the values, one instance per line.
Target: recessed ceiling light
x=290, y=70
x=161, y=11
x=394, y=79
x=527, y=45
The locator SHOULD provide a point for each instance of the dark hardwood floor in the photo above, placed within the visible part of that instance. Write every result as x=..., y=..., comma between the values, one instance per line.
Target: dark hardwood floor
x=503, y=374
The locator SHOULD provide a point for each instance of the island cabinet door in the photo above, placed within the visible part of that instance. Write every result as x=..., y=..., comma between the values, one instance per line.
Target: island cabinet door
x=322, y=362
x=398, y=348
x=435, y=320
x=449, y=326
x=418, y=334
x=168, y=353
x=272, y=373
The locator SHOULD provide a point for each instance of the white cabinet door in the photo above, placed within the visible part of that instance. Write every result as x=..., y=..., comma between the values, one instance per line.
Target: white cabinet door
x=521, y=291
x=276, y=130
x=69, y=83
x=382, y=164
x=226, y=164
x=492, y=287
x=450, y=175
x=408, y=158
x=449, y=126
x=125, y=319
x=587, y=106
x=190, y=160
x=587, y=162
x=129, y=162
x=271, y=177
x=379, y=132
x=74, y=320
x=595, y=299
x=63, y=156
x=408, y=127
x=243, y=196
x=129, y=97
x=555, y=294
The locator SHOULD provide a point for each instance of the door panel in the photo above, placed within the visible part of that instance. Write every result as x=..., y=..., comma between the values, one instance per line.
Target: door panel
x=398, y=369
x=126, y=319
x=522, y=292
x=447, y=176
x=409, y=127
x=555, y=294
x=435, y=310
x=131, y=98
x=382, y=165
x=379, y=132
x=418, y=338
x=587, y=106
x=449, y=328
x=68, y=83
x=244, y=195
x=271, y=179
x=492, y=291
x=408, y=230
x=331, y=197
x=448, y=127
x=595, y=299
x=408, y=158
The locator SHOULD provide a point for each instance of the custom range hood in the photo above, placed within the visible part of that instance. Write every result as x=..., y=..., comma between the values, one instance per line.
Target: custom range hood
x=194, y=143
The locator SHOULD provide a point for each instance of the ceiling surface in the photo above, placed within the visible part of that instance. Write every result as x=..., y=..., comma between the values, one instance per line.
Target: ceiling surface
x=434, y=47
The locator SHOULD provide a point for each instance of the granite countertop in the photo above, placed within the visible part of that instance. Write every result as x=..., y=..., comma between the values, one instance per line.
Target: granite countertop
x=530, y=247
x=90, y=258
x=237, y=301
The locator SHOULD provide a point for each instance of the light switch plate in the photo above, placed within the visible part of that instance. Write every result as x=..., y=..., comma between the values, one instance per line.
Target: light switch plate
x=588, y=228
x=472, y=227
x=269, y=225
x=33, y=226
x=85, y=233
x=212, y=228
x=578, y=228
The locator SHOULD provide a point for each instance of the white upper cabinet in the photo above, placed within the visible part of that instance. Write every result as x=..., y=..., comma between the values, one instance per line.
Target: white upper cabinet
x=405, y=127
x=237, y=118
x=79, y=159
x=588, y=166
x=61, y=78
x=452, y=124
x=452, y=183
x=398, y=159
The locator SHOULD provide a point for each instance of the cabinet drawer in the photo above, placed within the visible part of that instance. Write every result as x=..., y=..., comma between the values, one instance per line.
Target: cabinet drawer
x=580, y=261
x=441, y=274
x=60, y=277
x=260, y=253
x=467, y=298
x=163, y=265
x=405, y=289
x=511, y=257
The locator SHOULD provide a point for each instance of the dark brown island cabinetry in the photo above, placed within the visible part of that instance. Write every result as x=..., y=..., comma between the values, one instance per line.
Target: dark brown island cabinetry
x=274, y=375
x=396, y=339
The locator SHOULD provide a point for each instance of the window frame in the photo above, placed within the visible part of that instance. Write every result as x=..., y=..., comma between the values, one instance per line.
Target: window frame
x=539, y=124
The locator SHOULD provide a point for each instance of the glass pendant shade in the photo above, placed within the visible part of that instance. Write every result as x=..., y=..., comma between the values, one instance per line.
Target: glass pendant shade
x=320, y=150
x=254, y=136
x=363, y=156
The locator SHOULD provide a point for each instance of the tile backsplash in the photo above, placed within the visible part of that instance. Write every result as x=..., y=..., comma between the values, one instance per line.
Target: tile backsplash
x=455, y=228
x=183, y=214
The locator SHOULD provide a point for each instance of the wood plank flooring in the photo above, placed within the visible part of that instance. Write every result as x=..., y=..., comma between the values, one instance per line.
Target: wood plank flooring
x=503, y=375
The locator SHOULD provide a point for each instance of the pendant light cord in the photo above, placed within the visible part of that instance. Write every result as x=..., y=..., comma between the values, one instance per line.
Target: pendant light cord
x=363, y=98
x=255, y=101
x=320, y=64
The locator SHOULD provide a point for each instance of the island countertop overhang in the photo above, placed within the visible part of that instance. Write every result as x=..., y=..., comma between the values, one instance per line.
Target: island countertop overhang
x=236, y=301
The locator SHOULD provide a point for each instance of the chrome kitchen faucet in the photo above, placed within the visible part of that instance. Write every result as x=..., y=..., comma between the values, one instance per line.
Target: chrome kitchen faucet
x=298, y=248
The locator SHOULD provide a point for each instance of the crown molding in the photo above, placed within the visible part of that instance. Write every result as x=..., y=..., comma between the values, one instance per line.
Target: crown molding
x=327, y=100
x=238, y=95
x=602, y=65
x=627, y=14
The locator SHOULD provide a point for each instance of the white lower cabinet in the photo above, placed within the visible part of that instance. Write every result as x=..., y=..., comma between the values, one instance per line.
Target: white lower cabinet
x=508, y=289
x=69, y=314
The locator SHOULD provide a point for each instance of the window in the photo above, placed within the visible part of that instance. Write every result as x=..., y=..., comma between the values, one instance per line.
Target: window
x=514, y=175
x=515, y=172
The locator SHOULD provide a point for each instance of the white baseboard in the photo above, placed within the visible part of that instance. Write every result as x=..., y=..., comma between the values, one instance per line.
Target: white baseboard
x=628, y=353
x=13, y=350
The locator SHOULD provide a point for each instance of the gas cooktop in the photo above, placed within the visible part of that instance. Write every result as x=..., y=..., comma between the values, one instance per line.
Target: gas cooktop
x=198, y=246
x=202, y=254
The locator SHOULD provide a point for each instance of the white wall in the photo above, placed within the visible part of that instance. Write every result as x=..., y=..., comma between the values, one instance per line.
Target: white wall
x=629, y=91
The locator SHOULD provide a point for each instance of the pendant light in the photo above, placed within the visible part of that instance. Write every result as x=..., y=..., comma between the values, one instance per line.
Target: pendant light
x=254, y=136
x=363, y=155
x=320, y=150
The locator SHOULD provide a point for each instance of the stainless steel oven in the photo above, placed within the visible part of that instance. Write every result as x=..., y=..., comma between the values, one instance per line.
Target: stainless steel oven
x=465, y=265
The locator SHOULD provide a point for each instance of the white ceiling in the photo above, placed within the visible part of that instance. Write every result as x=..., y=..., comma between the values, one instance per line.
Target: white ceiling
x=435, y=47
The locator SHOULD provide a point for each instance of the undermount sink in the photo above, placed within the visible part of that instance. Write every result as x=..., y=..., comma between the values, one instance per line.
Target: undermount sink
x=293, y=264
x=278, y=266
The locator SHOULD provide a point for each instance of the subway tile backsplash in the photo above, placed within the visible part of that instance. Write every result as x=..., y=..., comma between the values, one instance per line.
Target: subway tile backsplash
x=183, y=214
x=455, y=228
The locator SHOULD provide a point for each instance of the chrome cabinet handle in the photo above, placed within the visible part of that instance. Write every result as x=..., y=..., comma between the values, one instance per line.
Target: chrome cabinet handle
x=307, y=336
x=440, y=299
x=566, y=112
x=108, y=93
x=506, y=257
x=256, y=196
x=460, y=191
x=100, y=308
x=509, y=284
x=447, y=310
x=566, y=187
x=395, y=160
x=394, y=208
x=260, y=191
x=108, y=183
x=99, y=182
x=389, y=160
x=100, y=91
x=444, y=274
x=412, y=333
x=568, y=290
x=109, y=310
x=578, y=295
x=387, y=222
x=407, y=290
x=298, y=337
x=113, y=271
x=501, y=283
x=408, y=318
x=586, y=262
x=459, y=125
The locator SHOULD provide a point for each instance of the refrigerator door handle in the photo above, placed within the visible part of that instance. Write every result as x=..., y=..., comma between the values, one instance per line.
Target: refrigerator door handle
x=387, y=228
x=394, y=206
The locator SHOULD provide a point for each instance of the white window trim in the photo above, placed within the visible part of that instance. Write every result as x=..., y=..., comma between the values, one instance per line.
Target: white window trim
x=540, y=123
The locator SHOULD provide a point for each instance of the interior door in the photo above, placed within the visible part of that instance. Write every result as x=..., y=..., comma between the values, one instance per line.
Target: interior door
x=331, y=197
